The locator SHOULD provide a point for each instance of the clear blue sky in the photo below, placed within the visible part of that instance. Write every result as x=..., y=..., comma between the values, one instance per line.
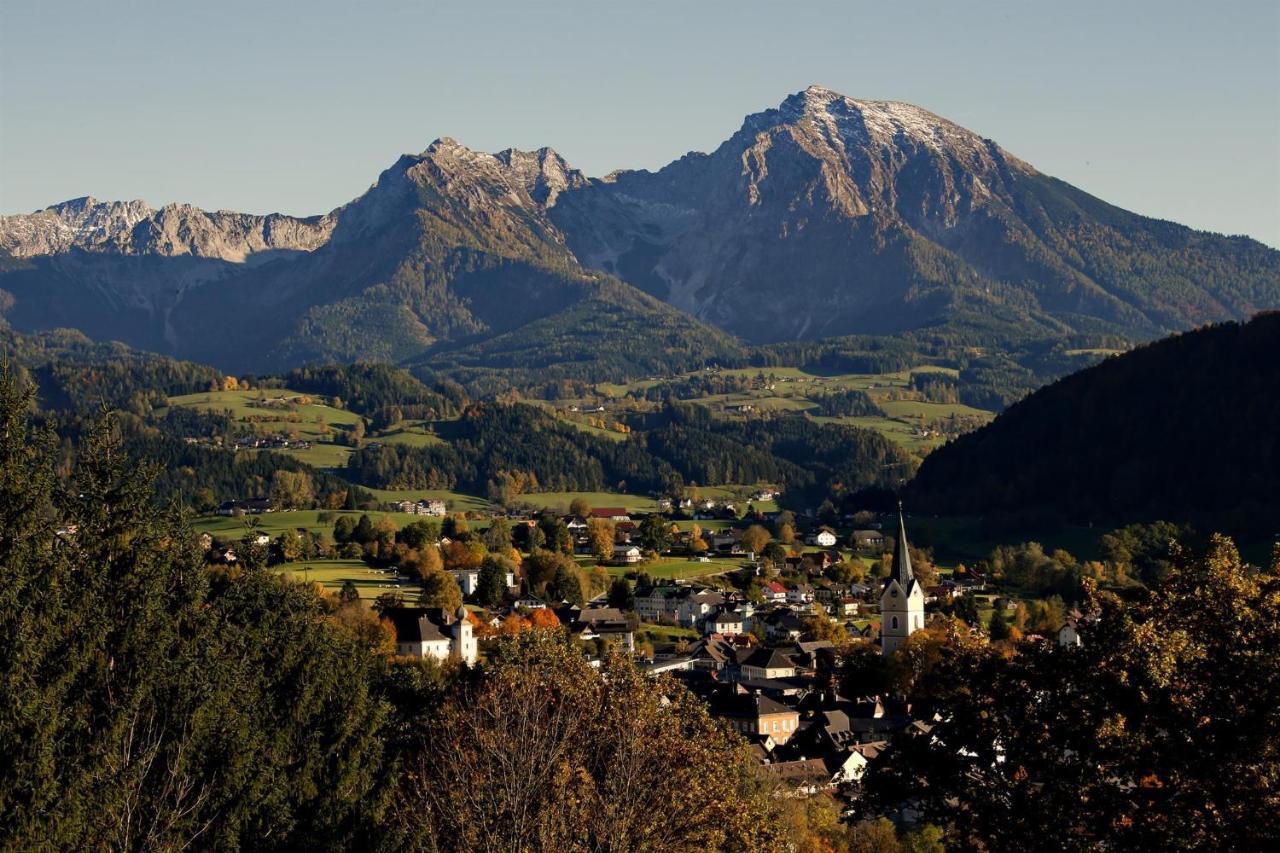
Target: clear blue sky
x=1166, y=108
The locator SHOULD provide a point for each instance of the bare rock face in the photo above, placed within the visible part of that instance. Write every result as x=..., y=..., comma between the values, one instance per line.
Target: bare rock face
x=543, y=173
x=134, y=228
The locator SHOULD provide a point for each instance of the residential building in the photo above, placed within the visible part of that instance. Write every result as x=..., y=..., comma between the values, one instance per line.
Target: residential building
x=765, y=664
x=754, y=714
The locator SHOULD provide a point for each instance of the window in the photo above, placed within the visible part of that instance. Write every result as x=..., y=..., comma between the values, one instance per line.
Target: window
x=895, y=622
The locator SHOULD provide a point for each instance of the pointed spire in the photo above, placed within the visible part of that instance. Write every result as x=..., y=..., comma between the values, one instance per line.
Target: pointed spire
x=901, y=571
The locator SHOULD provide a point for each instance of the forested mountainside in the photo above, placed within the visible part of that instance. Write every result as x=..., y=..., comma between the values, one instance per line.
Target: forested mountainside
x=1184, y=428
x=497, y=448
x=825, y=217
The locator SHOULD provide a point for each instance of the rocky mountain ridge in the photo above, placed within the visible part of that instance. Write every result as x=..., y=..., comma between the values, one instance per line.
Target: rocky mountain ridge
x=825, y=216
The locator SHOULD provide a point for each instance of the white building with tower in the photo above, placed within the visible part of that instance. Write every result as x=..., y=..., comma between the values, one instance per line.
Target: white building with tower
x=902, y=599
x=429, y=632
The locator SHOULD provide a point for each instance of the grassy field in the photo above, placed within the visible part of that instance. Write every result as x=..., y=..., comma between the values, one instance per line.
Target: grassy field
x=674, y=568
x=279, y=408
x=796, y=390
x=411, y=433
x=560, y=500
x=664, y=634
x=271, y=411
x=334, y=573
x=275, y=523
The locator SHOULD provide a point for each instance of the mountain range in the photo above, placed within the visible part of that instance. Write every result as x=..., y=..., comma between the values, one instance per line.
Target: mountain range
x=826, y=216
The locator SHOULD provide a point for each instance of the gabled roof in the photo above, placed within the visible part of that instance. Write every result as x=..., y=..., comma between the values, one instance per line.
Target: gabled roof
x=741, y=704
x=419, y=624
x=769, y=659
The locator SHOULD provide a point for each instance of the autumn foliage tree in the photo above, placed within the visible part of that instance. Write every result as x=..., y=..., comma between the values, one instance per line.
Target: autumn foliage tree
x=1160, y=732
x=546, y=753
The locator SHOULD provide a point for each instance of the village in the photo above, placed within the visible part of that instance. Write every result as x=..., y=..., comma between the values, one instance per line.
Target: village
x=761, y=636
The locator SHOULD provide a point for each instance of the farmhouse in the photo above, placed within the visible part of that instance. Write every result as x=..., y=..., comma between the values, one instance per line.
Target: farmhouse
x=823, y=537
x=872, y=539
x=251, y=506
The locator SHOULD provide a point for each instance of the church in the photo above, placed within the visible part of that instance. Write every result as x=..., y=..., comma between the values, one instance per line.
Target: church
x=902, y=599
x=429, y=632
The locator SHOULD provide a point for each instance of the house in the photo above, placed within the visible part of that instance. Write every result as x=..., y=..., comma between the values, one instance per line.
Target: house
x=764, y=664
x=469, y=580
x=1069, y=633
x=656, y=603
x=754, y=714
x=727, y=623
x=846, y=606
x=774, y=591
x=872, y=540
x=713, y=655
x=424, y=507
x=626, y=554
x=429, y=632
x=693, y=606
x=612, y=513
x=592, y=623
x=801, y=593
x=823, y=537
x=782, y=626
x=804, y=775
x=727, y=542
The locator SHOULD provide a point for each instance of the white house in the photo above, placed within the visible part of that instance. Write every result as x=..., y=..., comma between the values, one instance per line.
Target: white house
x=764, y=663
x=469, y=580
x=801, y=593
x=693, y=606
x=729, y=623
x=626, y=554
x=774, y=591
x=823, y=538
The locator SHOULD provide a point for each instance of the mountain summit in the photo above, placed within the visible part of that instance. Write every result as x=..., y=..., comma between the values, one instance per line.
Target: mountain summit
x=824, y=216
x=830, y=215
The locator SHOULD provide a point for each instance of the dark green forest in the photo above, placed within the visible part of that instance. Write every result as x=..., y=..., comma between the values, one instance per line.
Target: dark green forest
x=1184, y=428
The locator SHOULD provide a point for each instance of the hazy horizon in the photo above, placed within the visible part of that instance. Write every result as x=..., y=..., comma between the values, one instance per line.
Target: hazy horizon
x=1170, y=110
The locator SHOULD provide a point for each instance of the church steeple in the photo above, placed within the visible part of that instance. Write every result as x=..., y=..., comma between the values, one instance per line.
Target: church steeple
x=902, y=599
x=901, y=571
